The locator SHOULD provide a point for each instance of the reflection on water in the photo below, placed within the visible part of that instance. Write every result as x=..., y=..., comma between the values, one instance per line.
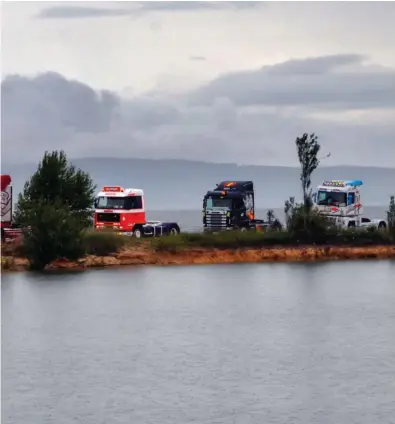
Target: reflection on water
x=282, y=343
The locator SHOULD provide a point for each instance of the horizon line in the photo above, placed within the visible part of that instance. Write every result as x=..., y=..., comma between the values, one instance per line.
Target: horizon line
x=206, y=162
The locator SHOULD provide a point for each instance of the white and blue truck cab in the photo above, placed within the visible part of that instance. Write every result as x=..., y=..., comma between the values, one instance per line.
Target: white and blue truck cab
x=340, y=201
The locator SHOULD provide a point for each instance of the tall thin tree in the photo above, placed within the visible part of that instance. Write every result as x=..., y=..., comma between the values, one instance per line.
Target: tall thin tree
x=391, y=216
x=308, y=148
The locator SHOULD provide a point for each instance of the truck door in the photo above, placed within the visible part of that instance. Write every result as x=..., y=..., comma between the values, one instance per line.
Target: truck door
x=238, y=211
x=249, y=205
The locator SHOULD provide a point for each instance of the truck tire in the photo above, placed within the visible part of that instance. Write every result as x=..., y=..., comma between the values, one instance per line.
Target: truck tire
x=382, y=225
x=174, y=230
x=138, y=232
x=351, y=224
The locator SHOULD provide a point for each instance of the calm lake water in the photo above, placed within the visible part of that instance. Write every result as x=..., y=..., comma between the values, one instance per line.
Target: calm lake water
x=225, y=344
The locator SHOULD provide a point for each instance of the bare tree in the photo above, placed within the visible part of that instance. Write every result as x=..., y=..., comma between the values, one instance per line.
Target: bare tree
x=274, y=223
x=391, y=216
x=289, y=210
x=270, y=216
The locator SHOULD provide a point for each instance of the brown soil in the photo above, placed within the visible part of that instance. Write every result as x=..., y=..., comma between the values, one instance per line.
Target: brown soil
x=143, y=256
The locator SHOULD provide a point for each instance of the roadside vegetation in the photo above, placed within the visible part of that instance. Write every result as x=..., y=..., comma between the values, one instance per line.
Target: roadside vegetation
x=54, y=210
x=251, y=240
x=108, y=243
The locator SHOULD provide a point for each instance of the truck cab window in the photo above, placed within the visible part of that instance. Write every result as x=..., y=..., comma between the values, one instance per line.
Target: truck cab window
x=218, y=202
x=108, y=202
x=331, y=198
x=133, y=202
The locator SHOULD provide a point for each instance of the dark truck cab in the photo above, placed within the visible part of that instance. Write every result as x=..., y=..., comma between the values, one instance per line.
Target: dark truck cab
x=231, y=205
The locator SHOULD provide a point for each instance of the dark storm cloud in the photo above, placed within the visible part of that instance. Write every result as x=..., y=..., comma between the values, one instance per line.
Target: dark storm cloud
x=50, y=112
x=138, y=8
x=323, y=81
x=51, y=98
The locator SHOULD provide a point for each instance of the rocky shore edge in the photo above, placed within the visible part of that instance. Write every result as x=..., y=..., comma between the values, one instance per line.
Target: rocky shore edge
x=195, y=256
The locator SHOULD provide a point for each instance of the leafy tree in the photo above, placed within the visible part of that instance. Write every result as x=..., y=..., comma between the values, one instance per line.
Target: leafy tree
x=308, y=148
x=55, y=206
x=57, y=180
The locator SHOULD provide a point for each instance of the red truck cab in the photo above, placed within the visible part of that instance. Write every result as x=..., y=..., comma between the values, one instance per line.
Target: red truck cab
x=120, y=208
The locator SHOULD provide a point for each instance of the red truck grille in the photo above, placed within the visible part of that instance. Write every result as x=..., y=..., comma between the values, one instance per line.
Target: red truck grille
x=108, y=217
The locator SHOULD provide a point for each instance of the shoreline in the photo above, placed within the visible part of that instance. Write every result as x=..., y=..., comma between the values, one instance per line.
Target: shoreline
x=206, y=256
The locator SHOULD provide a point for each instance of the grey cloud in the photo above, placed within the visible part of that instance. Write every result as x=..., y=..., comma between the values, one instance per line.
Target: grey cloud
x=323, y=81
x=51, y=112
x=75, y=12
x=314, y=65
x=142, y=113
x=52, y=97
x=197, y=58
x=50, y=109
x=139, y=8
x=182, y=6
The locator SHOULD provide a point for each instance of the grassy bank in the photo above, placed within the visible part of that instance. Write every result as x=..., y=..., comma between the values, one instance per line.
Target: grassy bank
x=226, y=246
x=257, y=240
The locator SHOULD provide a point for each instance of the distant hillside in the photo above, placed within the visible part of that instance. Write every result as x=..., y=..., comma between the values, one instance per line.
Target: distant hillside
x=179, y=184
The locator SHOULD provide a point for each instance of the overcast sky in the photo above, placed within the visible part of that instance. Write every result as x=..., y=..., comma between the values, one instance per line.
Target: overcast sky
x=215, y=81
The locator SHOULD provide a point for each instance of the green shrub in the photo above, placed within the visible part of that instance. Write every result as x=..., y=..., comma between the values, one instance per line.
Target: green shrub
x=222, y=240
x=102, y=243
x=360, y=237
x=54, y=234
x=391, y=217
x=323, y=235
x=172, y=244
x=308, y=227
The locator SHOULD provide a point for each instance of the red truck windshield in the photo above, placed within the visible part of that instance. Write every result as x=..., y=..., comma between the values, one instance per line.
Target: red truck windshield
x=129, y=202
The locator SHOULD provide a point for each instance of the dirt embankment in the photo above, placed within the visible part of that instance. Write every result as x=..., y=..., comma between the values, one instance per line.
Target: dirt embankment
x=213, y=256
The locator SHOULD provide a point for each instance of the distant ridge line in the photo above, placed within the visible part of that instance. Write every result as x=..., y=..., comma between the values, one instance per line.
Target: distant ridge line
x=201, y=162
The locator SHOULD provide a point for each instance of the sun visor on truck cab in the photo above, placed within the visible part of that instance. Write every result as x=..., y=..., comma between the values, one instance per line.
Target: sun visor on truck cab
x=235, y=186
